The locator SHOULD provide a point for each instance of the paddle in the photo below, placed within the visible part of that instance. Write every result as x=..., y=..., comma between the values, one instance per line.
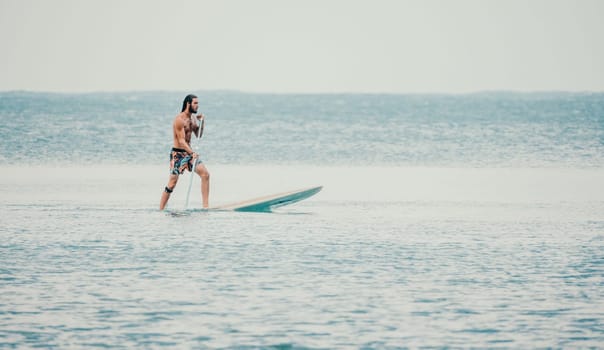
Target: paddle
x=199, y=123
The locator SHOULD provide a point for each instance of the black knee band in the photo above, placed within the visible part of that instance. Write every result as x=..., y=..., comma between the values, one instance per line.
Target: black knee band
x=168, y=190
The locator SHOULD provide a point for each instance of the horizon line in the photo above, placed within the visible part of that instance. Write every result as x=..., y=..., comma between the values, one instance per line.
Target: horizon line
x=249, y=92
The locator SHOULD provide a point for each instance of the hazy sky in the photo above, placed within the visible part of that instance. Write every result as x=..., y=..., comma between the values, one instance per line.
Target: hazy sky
x=302, y=46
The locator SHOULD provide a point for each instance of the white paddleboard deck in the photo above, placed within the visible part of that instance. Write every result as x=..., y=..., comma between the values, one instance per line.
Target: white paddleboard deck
x=268, y=203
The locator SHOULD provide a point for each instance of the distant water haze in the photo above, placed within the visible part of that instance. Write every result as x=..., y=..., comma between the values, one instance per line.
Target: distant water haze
x=552, y=130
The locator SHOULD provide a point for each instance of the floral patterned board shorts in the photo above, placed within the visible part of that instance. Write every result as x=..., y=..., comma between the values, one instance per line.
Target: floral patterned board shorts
x=181, y=160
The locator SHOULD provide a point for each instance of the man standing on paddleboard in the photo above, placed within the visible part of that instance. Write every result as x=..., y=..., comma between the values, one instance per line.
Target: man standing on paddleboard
x=182, y=155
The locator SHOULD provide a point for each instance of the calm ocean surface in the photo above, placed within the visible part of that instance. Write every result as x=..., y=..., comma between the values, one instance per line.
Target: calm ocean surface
x=473, y=221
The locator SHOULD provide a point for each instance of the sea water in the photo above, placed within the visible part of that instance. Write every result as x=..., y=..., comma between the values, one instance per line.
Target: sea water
x=445, y=221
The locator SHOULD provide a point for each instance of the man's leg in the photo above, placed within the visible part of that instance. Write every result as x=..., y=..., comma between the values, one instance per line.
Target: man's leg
x=201, y=170
x=167, y=191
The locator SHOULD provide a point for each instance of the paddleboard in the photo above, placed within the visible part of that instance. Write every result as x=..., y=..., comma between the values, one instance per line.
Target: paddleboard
x=268, y=203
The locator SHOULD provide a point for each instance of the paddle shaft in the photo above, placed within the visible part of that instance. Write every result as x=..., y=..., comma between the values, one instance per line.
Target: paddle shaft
x=194, y=163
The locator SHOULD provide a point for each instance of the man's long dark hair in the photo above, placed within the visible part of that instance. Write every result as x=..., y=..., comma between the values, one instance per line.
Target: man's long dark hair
x=188, y=99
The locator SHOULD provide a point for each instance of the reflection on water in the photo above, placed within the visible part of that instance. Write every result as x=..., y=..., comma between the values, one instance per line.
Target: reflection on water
x=382, y=257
